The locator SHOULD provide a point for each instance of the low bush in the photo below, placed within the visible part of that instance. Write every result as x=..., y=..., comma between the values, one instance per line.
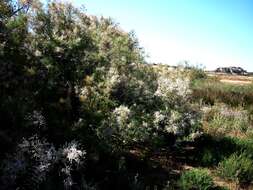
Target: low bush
x=195, y=179
x=197, y=73
x=237, y=167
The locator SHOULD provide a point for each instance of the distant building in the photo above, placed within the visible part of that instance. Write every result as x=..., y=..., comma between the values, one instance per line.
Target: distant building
x=232, y=70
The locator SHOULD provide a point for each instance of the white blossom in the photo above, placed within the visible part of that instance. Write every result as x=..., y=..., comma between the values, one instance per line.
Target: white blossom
x=113, y=77
x=158, y=118
x=121, y=114
x=72, y=153
x=168, y=86
x=58, y=49
x=196, y=135
x=84, y=92
x=175, y=129
x=38, y=53
x=174, y=116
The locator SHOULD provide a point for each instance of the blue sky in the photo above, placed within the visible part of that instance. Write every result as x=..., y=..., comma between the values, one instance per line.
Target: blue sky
x=209, y=32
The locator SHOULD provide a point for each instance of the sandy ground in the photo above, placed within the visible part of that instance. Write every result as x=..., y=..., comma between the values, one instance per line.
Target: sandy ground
x=236, y=81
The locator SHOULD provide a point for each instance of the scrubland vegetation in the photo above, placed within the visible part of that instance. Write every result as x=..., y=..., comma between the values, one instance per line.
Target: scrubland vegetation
x=81, y=109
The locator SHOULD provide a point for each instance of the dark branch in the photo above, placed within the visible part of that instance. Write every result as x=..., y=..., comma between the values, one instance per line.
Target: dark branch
x=27, y=5
x=16, y=11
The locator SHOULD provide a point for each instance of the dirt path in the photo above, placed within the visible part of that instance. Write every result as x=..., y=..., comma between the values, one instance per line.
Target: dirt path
x=239, y=82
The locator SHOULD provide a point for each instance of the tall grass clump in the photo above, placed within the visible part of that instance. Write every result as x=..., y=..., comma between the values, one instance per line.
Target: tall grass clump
x=221, y=119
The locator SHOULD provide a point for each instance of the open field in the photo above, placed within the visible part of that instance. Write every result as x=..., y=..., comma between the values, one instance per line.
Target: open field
x=231, y=79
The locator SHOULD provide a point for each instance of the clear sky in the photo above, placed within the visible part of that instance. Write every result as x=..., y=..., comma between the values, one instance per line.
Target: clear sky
x=209, y=32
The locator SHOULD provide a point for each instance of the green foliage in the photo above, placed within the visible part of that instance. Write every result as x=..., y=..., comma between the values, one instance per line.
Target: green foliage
x=237, y=167
x=195, y=179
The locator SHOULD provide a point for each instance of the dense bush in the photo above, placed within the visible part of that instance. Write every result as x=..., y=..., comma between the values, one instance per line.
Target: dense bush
x=197, y=73
x=70, y=77
x=195, y=179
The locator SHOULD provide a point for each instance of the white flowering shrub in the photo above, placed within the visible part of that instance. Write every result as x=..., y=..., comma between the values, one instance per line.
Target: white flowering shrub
x=114, y=131
x=34, y=158
x=28, y=167
x=176, y=122
x=169, y=86
x=125, y=127
x=149, y=109
x=179, y=116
